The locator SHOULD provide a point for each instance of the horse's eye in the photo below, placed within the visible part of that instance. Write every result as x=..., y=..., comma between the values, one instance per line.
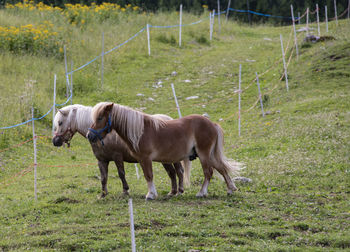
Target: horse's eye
x=99, y=118
x=59, y=123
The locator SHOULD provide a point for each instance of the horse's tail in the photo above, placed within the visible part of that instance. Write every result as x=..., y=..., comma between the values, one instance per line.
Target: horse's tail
x=232, y=167
x=187, y=164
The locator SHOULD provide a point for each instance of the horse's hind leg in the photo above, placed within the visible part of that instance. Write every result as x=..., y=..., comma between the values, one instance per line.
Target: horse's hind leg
x=208, y=173
x=104, y=176
x=180, y=174
x=146, y=165
x=172, y=175
x=230, y=185
x=121, y=173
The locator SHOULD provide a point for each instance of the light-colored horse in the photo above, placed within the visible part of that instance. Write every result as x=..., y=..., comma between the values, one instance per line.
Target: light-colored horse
x=77, y=118
x=152, y=139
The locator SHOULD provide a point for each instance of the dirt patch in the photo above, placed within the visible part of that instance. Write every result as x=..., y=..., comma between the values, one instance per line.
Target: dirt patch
x=273, y=235
x=65, y=199
x=154, y=224
x=42, y=232
x=336, y=57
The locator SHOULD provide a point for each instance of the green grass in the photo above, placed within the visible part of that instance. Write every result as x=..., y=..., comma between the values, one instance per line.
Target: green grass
x=297, y=156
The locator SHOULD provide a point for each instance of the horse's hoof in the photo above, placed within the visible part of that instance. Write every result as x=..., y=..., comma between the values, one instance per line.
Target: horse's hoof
x=201, y=195
x=171, y=194
x=230, y=191
x=126, y=193
x=150, y=197
x=102, y=196
x=179, y=193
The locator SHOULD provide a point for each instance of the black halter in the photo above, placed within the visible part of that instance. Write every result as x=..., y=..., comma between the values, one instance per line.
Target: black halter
x=62, y=135
x=99, y=132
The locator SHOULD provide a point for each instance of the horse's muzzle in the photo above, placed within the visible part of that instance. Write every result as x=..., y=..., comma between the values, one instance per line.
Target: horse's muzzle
x=92, y=137
x=57, y=141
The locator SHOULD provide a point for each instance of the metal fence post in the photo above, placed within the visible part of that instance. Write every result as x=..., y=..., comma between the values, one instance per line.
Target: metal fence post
x=35, y=161
x=284, y=63
x=177, y=104
x=54, y=104
x=261, y=103
x=180, y=27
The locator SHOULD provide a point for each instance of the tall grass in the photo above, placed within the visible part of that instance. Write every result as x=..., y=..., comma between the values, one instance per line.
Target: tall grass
x=298, y=155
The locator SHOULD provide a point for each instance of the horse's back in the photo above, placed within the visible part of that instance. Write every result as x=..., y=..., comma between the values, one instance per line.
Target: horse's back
x=188, y=126
x=162, y=117
x=201, y=124
x=181, y=136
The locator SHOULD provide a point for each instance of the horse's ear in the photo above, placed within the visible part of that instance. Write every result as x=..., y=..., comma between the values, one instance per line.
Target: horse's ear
x=109, y=107
x=73, y=112
x=63, y=112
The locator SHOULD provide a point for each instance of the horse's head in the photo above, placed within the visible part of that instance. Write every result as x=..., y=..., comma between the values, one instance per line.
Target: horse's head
x=101, y=119
x=65, y=126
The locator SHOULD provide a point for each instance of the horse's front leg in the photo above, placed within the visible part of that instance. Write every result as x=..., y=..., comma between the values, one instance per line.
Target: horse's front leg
x=121, y=172
x=172, y=175
x=146, y=165
x=103, y=165
x=180, y=174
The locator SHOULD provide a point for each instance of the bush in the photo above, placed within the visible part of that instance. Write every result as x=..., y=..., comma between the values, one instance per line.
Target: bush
x=31, y=39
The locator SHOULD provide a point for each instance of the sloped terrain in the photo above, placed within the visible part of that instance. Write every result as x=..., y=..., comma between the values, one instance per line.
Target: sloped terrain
x=297, y=155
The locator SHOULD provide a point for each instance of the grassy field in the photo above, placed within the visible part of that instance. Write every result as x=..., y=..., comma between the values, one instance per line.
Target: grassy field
x=297, y=155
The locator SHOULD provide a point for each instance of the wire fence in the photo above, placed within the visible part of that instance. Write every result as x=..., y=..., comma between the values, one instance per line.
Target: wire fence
x=32, y=167
x=258, y=13
x=137, y=34
x=273, y=66
x=115, y=48
x=13, y=178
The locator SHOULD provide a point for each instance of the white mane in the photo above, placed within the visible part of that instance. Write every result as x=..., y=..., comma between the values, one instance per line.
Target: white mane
x=129, y=121
x=83, y=117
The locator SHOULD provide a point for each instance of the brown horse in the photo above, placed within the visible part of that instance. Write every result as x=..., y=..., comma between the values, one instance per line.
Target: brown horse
x=151, y=139
x=77, y=118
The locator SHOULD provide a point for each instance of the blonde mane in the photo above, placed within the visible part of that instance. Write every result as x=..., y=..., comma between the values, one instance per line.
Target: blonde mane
x=130, y=122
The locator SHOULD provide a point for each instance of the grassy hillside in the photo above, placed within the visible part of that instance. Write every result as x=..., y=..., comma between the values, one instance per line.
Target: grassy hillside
x=297, y=155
